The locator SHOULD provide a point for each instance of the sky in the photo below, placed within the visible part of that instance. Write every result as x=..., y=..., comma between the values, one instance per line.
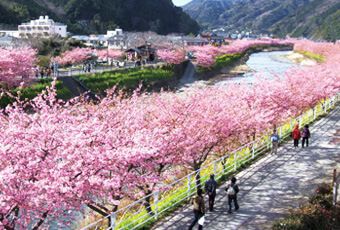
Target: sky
x=180, y=2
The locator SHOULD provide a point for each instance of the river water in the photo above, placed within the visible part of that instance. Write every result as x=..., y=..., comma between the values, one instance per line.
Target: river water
x=265, y=64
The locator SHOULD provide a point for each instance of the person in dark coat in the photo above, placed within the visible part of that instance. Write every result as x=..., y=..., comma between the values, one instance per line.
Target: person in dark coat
x=232, y=190
x=305, y=136
x=199, y=209
x=210, y=189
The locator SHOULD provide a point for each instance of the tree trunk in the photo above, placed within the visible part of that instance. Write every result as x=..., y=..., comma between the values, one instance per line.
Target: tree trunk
x=198, y=178
x=224, y=162
x=147, y=204
x=40, y=222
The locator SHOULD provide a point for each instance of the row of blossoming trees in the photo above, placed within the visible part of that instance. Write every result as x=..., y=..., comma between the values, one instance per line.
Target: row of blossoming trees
x=80, y=55
x=16, y=65
x=57, y=157
x=205, y=56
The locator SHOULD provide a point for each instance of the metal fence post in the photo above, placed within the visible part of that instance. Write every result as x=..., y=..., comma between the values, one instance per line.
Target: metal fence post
x=269, y=143
x=235, y=159
x=335, y=187
x=156, y=199
x=112, y=220
x=253, y=151
x=280, y=132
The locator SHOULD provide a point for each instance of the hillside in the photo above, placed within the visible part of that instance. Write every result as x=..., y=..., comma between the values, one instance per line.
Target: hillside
x=310, y=18
x=96, y=16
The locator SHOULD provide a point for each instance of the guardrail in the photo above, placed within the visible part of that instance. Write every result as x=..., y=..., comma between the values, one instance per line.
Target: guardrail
x=135, y=216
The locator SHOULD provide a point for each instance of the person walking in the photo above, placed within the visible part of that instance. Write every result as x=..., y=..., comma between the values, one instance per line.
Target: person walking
x=232, y=190
x=199, y=209
x=210, y=189
x=296, y=134
x=275, y=141
x=305, y=136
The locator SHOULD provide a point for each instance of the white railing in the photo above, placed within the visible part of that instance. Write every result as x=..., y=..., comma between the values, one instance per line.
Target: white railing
x=135, y=216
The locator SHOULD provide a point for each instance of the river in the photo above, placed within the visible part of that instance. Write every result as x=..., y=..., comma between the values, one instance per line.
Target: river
x=264, y=63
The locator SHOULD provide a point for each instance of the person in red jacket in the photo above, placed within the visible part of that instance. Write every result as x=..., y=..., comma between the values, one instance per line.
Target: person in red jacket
x=296, y=134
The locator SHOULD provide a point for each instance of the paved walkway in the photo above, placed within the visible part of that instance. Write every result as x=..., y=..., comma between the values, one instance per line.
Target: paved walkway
x=274, y=184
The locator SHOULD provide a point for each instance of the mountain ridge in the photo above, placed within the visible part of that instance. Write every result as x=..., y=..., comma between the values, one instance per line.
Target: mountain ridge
x=317, y=19
x=97, y=16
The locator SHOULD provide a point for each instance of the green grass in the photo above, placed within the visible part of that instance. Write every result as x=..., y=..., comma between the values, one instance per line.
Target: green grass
x=33, y=90
x=316, y=57
x=222, y=61
x=227, y=59
x=127, y=78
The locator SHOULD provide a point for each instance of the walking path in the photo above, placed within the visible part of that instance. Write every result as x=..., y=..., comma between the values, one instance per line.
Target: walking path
x=274, y=184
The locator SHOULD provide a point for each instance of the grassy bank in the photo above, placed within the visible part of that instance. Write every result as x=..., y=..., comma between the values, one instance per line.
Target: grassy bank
x=125, y=78
x=222, y=61
x=128, y=79
x=33, y=90
x=316, y=57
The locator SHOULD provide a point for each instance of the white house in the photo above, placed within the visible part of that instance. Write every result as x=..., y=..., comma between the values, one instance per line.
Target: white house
x=42, y=27
x=116, y=39
x=113, y=39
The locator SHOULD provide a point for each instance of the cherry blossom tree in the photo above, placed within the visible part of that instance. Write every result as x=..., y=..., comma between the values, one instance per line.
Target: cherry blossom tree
x=109, y=54
x=16, y=65
x=171, y=56
x=75, y=56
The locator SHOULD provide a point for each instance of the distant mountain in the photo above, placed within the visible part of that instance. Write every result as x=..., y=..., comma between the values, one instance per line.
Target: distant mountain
x=96, y=16
x=310, y=18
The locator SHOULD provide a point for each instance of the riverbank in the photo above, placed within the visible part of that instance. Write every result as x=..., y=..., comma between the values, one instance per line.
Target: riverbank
x=300, y=59
x=238, y=66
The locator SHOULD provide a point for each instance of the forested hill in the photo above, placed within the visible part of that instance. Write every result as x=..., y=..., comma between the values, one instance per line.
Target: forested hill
x=96, y=16
x=318, y=19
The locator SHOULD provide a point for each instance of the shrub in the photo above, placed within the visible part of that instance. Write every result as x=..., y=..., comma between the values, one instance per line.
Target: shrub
x=317, y=214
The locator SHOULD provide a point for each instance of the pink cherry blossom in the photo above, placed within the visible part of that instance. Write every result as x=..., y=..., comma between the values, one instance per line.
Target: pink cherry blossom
x=75, y=56
x=16, y=65
x=171, y=56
